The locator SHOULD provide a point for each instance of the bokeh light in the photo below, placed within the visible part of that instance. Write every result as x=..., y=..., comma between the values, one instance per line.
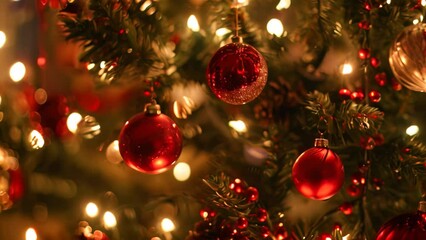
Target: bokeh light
x=412, y=130
x=17, y=71
x=109, y=220
x=167, y=225
x=35, y=139
x=192, y=23
x=30, y=234
x=283, y=4
x=73, y=120
x=275, y=27
x=182, y=171
x=2, y=39
x=92, y=209
x=346, y=69
x=238, y=125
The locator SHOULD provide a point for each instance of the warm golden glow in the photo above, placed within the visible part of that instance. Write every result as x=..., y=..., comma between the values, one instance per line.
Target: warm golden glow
x=182, y=171
x=17, y=71
x=275, y=27
x=346, y=69
x=192, y=23
x=73, y=120
x=35, y=139
x=2, y=39
x=283, y=4
x=412, y=130
x=238, y=125
x=30, y=234
x=92, y=209
x=109, y=220
x=167, y=225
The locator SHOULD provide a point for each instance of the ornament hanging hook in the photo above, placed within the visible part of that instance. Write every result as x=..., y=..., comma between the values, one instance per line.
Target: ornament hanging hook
x=236, y=6
x=322, y=126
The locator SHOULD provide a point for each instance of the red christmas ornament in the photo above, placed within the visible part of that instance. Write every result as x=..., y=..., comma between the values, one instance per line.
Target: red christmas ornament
x=325, y=236
x=53, y=111
x=405, y=226
x=357, y=96
x=363, y=53
x=262, y=215
x=374, y=96
x=237, y=73
x=280, y=232
x=381, y=79
x=236, y=186
x=346, y=208
x=242, y=223
x=353, y=190
x=345, y=94
x=252, y=194
x=150, y=142
x=374, y=62
x=264, y=231
x=318, y=172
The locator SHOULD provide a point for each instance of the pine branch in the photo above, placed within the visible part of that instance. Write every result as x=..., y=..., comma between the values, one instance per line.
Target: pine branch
x=122, y=39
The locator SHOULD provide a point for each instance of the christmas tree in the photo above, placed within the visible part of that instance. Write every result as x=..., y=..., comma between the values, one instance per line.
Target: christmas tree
x=212, y=119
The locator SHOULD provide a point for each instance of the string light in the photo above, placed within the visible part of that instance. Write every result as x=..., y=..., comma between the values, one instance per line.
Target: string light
x=73, y=120
x=388, y=1
x=167, y=225
x=238, y=125
x=346, y=69
x=182, y=171
x=222, y=31
x=283, y=4
x=192, y=23
x=2, y=39
x=17, y=71
x=145, y=5
x=90, y=66
x=423, y=3
x=412, y=130
x=35, y=139
x=30, y=234
x=109, y=220
x=275, y=27
x=92, y=209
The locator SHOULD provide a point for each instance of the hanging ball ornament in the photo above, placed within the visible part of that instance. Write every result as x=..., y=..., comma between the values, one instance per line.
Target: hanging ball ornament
x=405, y=226
x=407, y=57
x=318, y=172
x=150, y=142
x=237, y=73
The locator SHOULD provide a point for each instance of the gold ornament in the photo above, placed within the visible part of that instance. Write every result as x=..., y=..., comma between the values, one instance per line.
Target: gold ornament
x=407, y=57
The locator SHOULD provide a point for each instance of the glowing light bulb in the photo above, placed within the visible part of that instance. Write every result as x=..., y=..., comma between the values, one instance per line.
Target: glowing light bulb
x=113, y=153
x=347, y=237
x=346, y=69
x=2, y=39
x=423, y=3
x=283, y=4
x=73, y=120
x=275, y=27
x=222, y=31
x=145, y=5
x=167, y=225
x=412, y=130
x=182, y=171
x=92, y=209
x=192, y=23
x=388, y=1
x=90, y=66
x=109, y=220
x=17, y=71
x=30, y=234
x=238, y=125
x=35, y=139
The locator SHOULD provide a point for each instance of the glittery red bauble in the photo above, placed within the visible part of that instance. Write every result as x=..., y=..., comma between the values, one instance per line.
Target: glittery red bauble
x=405, y=226
x=237, y=73
x=318, y=173
x=150, y=143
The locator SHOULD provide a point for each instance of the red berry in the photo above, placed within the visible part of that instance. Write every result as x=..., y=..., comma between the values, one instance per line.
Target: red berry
x=252, y=194
x=374, y=96
x=363, y=53
x=357, y=96
x=381, y=79
x=345, y=94
x=242, y=223
x=374, y=62
x=262, y=215
x=346, y=208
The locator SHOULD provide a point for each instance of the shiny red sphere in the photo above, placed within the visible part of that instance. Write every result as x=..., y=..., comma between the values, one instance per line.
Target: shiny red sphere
x=374, y=96
x=405, y=226
x=345, y=94
x=150, y=143
x=318, y=173
x=237, y=73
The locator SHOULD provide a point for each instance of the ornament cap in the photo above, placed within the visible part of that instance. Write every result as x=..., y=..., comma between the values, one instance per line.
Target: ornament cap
x=152, y=109
x=422, y=206
x=237, y=39
x=321, y=142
